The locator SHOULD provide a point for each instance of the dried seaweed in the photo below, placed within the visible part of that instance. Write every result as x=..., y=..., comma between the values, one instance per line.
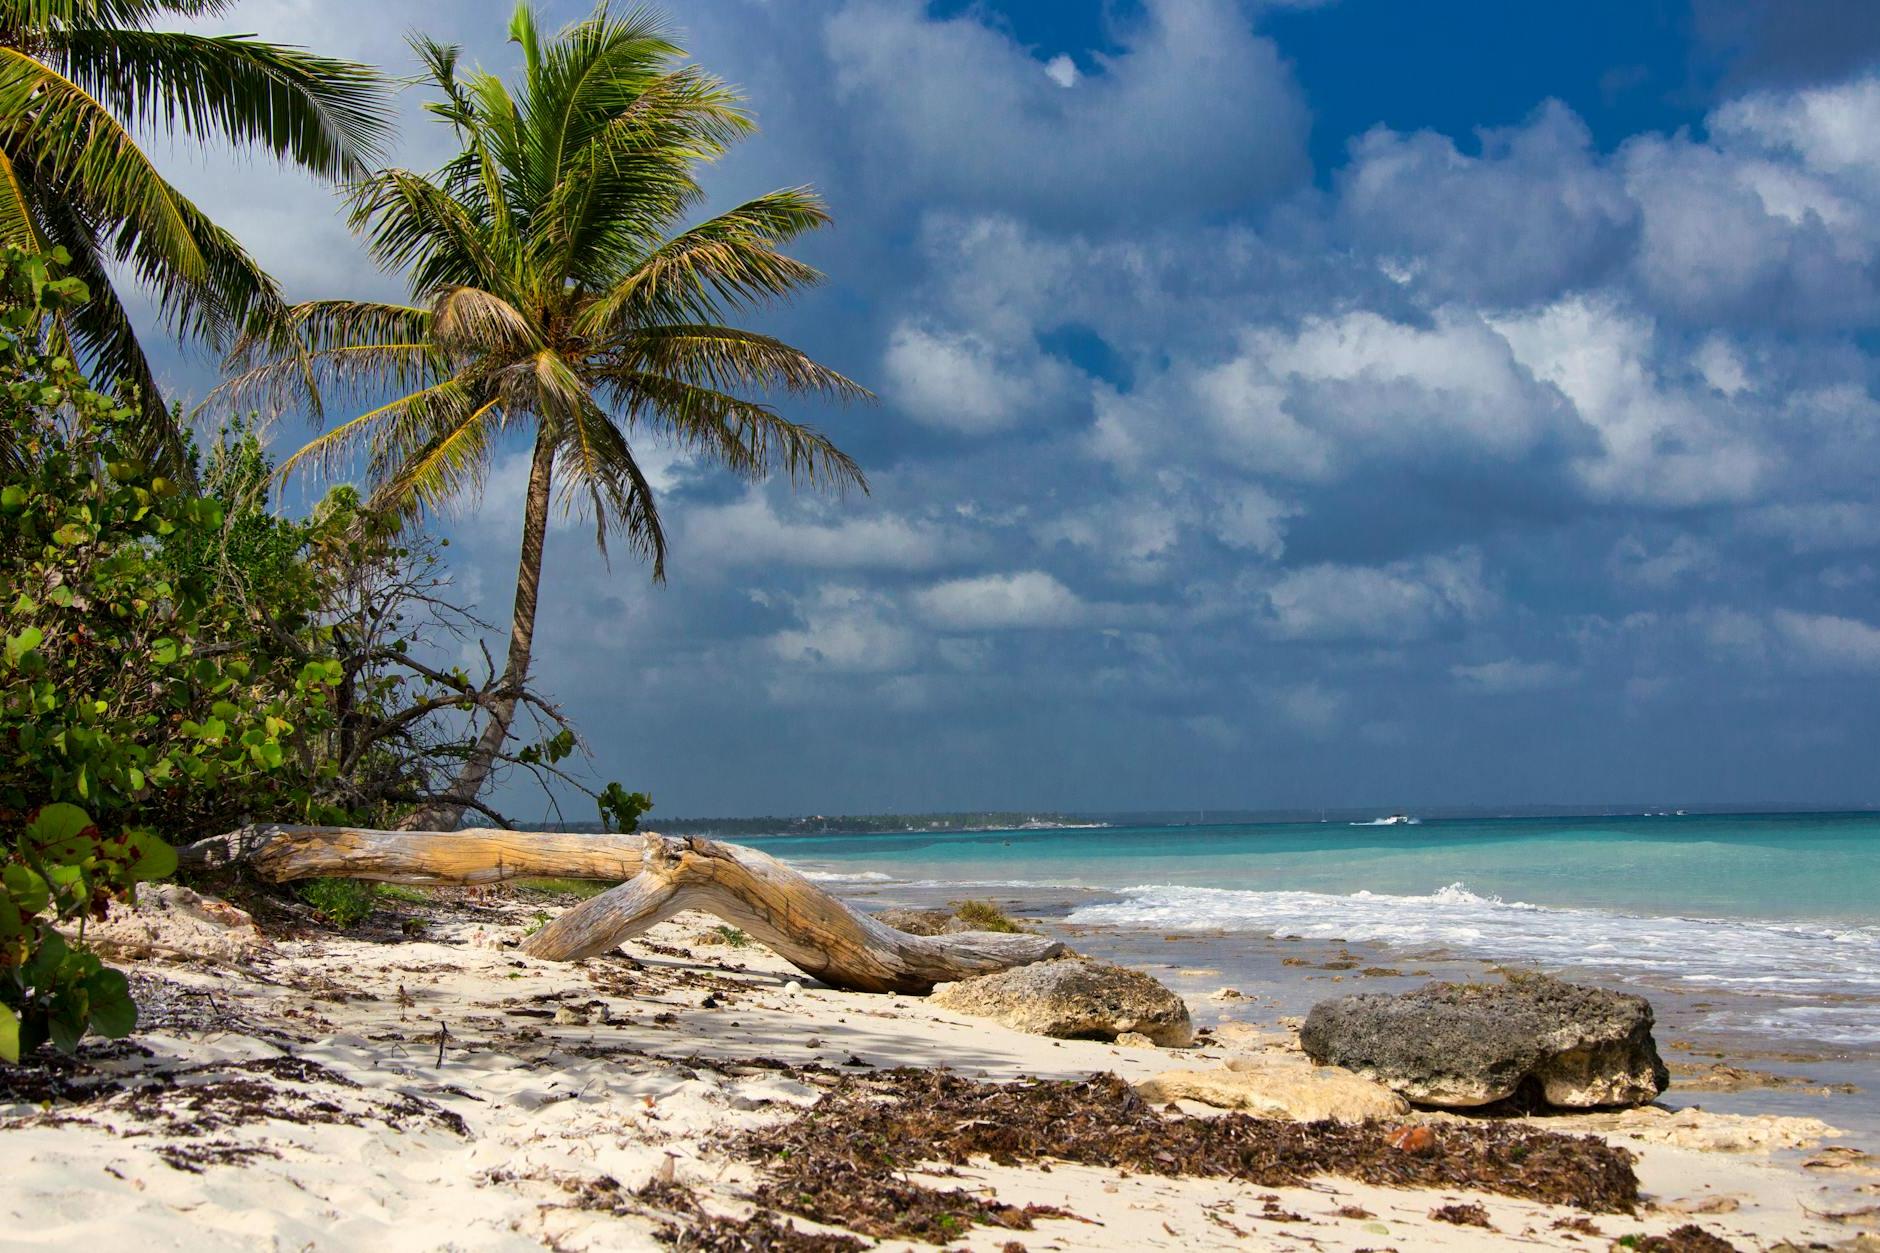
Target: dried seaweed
x=1689, y=1238
x=844, y=1162
x=691, y=1230
x=1465, y=1214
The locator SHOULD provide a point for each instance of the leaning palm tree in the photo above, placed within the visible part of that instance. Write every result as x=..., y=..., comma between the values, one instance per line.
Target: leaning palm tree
x=555, y=294
x=78, y=80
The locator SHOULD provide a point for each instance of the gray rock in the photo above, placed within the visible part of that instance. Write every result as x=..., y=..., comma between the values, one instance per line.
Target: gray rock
x=1464, y=1044
x=1073, y=999
x=917, y=921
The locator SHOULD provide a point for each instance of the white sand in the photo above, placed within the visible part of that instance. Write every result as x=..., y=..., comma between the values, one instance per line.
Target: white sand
x=330, y=1166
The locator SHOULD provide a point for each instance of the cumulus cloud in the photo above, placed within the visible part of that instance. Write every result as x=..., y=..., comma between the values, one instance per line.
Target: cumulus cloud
x=959, y=110
x=1830, y=641
x=848, y=630
x=752, y=532
x=965, y=382
x=1028, y=598
x=1405, y=600
x=1534, y=215
x=1512, y=675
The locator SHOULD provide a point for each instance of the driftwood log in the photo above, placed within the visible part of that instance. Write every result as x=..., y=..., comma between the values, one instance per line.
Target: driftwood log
x=809, y=928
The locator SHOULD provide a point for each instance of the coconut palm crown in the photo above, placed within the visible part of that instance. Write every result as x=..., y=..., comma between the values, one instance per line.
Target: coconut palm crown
x=556, y=293
x=78, y=80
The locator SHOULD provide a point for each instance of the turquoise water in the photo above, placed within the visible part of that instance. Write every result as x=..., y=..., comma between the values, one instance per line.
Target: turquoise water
x=1779, y=914
x=1820, y=868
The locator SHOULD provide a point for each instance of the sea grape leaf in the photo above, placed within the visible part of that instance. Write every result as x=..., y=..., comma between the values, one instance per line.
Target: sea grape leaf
x=113, y=1013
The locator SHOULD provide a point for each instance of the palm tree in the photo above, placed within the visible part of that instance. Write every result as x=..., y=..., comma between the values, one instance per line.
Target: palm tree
x=554, y=291
x=78, y=79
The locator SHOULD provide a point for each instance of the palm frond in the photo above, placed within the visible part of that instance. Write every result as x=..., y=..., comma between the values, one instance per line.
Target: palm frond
x=724, y=358
x=601, y=476
x=752, y=440
x=730, y=261
x=326, y=115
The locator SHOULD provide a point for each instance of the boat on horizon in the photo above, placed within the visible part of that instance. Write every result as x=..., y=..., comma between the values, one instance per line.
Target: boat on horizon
x=1398, y=819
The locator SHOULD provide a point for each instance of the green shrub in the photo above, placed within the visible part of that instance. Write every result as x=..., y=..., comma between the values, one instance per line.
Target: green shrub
x=342, y=902
x=60, y=868
x=983, y=916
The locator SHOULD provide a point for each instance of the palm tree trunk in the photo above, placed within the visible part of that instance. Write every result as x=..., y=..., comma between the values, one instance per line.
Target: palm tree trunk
x=444, y=815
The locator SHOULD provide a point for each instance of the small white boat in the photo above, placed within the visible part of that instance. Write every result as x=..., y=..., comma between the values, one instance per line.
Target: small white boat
x=1394, y=820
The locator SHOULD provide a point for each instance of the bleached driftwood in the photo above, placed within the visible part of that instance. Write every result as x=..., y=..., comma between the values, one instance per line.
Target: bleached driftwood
x=805, y=925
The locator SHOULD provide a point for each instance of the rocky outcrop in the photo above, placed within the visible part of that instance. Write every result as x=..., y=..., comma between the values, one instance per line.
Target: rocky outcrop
x=170, y=922
x=1280, y=1088
x=917, y=921
x=1466, y=1044
x=1074, y=999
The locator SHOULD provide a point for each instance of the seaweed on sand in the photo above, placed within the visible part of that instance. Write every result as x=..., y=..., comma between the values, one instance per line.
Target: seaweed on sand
x=845, y=1161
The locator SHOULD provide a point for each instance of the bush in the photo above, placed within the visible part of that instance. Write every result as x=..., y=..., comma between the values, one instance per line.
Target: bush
x=342, y=902
x=61, y=868
x=983, y=916
x=133, y=697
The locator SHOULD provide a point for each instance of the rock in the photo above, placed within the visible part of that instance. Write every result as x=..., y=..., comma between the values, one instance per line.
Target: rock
x=1073, y=999
x=917, y=921
x=170, y=921
x=1134, y=1040
x=1294, y=1090
x=1246, y=1036
x=1227, y=994
x=1466, y=1044
x=1709, y=1132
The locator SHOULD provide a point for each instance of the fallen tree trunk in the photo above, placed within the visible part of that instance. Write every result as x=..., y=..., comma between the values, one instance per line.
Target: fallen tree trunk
x=809, y=928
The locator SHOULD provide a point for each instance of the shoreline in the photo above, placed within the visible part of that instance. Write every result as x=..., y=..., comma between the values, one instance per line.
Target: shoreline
x=1287, y=974
x=321, y=1119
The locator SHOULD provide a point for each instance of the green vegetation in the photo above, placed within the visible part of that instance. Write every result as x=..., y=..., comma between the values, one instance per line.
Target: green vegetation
x=983, y=916
x=733, y=936
x=77, y=78
x=61, y=869
x=341, y=902
x=179, y=658
x=552, y=291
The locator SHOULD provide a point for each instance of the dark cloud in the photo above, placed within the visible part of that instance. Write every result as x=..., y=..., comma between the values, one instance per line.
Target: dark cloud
x=1786, y=43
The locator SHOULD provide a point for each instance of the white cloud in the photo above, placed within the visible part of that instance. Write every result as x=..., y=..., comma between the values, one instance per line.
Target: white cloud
x=959, y=110
x=1405, y=600
x=752, y=532
x=1030, y=598
x=1061, y=70
x=1536, y=214
x=1658, y=445
x=963, y=381
x=1252, y=519
x=848, y=630
x=1829, y=641
x=1683, y=558
x=1512, y=675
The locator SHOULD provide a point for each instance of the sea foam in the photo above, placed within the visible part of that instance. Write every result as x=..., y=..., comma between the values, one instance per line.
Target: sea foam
x=1777, y=959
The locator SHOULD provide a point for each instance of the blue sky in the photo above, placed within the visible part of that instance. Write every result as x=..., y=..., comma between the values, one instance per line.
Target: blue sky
x=1283, y=404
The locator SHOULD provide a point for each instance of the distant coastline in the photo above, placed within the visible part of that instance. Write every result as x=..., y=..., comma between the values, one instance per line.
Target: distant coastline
x=957, y=821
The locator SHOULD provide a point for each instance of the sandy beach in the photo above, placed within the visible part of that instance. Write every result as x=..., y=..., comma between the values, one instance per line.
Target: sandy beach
x=417, y=1085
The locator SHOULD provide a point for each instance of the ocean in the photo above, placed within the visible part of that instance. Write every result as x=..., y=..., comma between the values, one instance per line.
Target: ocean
x=1757, y=937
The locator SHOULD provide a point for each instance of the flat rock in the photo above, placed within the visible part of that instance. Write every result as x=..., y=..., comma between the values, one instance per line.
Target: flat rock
x=1073, y=999
x=917, y=921
x=1468, y=1044
x=1273, y=1089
